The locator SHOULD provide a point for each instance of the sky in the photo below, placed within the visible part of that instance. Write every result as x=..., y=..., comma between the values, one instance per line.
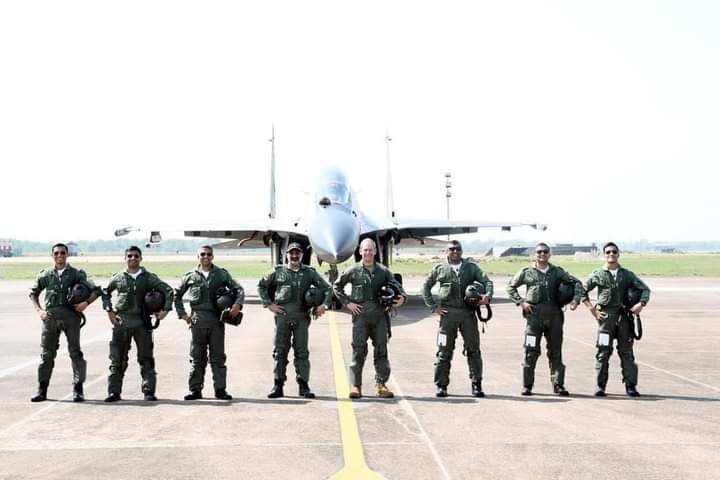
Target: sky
x=598, y=119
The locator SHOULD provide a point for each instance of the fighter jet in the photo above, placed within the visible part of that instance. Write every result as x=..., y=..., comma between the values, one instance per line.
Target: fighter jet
x=334, y=226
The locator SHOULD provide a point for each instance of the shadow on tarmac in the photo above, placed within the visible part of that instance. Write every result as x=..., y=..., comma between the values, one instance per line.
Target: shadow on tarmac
x=449, y=399
x=202, y=403
x=649, y=398
x=535, y=397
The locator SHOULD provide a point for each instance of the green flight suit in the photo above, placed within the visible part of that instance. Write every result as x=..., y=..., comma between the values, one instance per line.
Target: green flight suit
x=208, y=332
x=460, y=317
x=546, y=319
x=372, y=323
x=618, y=325
x=130, y=293
x=62, y=317
x=292, y=327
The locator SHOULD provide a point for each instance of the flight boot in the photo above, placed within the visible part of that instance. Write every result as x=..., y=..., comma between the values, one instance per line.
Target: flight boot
x=78, y=395
x=383, y=391
x=222, y=394
x=113, y=397
x=193, y=395
x=277, y=390
x=560, y=390
x=477, y=389
x=631, y=391
x=41, y=394
x=304, y=389
x=355, y=392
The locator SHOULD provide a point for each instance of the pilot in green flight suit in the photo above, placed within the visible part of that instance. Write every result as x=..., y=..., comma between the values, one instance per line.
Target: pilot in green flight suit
x=127, y=318
x=208, y=332
x=369, y=319
x=58, y=316
x=543, y=315
x=454, y=277
x=614, y=322
x=292, y=317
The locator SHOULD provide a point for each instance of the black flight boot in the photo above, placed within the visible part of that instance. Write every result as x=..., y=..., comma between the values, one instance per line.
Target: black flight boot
x=277, y=390
x=477, y=389
x=526, y=391
x=113, y=397
x=150, y=397
x=560, y=390
x=193, y=395
x=631, y=391
x=41, y=394
x=222, y=394
x=304, y=389
x=441, y=391
x=78, y=395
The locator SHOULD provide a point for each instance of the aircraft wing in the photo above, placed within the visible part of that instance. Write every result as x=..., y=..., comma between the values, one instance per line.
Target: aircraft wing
x=419, y=229
x=252, y=234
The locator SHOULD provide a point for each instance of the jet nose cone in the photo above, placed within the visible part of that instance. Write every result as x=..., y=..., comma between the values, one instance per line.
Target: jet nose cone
x=334, y=235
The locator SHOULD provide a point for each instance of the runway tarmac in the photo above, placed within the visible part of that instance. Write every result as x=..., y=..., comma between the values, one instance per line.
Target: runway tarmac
x=671, y=432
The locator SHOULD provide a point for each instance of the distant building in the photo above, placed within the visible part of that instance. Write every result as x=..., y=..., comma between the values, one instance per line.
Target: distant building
x=507, y=251
x=73, y=250
x=570, y=249
x=559, y=249
x=6, y=249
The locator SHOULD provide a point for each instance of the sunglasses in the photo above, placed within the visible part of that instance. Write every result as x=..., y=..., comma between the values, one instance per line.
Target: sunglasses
x=611, y=252
x=55, y=254
x=206, y=254
x=132, y=255
x=455, y=249
x=540, y=252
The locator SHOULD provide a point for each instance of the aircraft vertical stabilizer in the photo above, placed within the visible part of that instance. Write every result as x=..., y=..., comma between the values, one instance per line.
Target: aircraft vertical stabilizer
x=272, y=175
x=390, y=204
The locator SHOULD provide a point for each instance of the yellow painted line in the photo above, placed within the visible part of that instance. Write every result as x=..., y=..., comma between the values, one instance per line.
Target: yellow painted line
x=355, y=466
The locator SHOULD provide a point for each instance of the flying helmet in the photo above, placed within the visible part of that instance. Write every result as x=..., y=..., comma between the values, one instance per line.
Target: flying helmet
x=78, y=293
x=473, y=294
x=154, y=301
x=565, y=293
x=388, y=293
x=313, y=297
x=224, y=300
x=632, y=297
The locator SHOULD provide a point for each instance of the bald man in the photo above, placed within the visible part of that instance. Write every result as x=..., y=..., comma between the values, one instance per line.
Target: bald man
x=370, y=319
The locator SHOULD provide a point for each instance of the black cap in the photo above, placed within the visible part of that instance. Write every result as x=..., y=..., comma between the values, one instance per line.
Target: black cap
x=294, y=246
